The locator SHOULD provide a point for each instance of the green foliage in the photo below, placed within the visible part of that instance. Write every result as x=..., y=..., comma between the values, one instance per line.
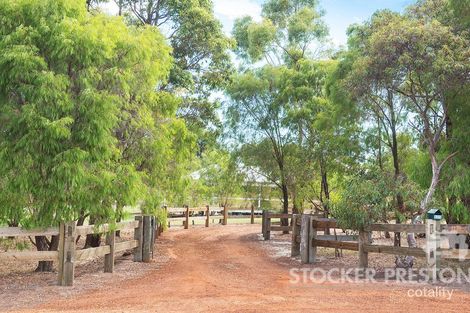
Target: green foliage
x=200, y=49
x=369, y=197
x=74, y=90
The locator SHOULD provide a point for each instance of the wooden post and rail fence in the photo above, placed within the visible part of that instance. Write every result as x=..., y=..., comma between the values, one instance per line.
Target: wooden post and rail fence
x=66, y=256
x=306, y=238
x=267, y=225
x=187, y=215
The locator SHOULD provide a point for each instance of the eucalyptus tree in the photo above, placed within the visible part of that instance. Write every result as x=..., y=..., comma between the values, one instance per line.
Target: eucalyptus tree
x=289, y=33
x=375, y=91
x=68, y=79
x=421, y=60
x=425, y=59
x=454, y=185
x=200, y=50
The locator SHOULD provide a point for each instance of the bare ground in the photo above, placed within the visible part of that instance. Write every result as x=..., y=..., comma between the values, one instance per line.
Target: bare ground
x=217, y=269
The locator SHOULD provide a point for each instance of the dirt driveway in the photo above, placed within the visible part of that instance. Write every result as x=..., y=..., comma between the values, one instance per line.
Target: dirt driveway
x=228, y=269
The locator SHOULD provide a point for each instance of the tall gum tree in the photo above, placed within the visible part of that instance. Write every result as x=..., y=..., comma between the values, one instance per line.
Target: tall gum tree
x=424, y=60
x=200, y=50
x=289, y=32
x=375, y=92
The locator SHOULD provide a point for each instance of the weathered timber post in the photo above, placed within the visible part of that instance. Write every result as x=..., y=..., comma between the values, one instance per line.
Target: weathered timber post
x=295, y=245
x=154, y=230
x=165, y=213
x=266, y=227
x=109, y=258
x=186, y=215
x=363, y=254
x=147, y=243
x=208, y=215
x=138, y=235
x=225, y=220
x=306, y=235
x=60, y=249
x=252, y=214
x=263, y=223
x=312, y=235
x=433, y=237
x=67, y=254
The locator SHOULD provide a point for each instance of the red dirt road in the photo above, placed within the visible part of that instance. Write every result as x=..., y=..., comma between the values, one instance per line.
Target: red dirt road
x=226, y=269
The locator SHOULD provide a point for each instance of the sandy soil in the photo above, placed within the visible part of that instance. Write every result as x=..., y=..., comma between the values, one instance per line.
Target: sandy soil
x=226, y=269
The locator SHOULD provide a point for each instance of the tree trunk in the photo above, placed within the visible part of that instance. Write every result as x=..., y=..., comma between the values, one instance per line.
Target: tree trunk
x=396, y=166
x=450, y=219
x=43, y=245
x=285, y=206
x=379, y=148
x=326, y=192
x=92, y=240
x=432, y=187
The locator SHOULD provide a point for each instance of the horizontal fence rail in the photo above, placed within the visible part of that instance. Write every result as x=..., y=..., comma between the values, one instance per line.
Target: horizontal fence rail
x=410, y=228
x=30, y=255
x=187, y=215
x=20, y=232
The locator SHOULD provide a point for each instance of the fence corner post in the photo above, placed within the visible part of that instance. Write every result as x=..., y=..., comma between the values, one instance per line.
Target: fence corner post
x=109, y=258
x=295, y=244
x=363, y=254
x=138, y=235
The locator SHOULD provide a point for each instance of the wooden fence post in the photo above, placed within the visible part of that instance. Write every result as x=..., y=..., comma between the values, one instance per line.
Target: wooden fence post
x=208, y=215
x=138, y=235
x=67, y=254
x=154, y=233
x=295, y=247
x=363, y=255
x=266, y=226
x=312, y=235
x=147, y=238
x=60, y=249
x=433, y=228
x=263, y=224
x=252, y=214
x=186, y=215
x=225, y=220
x=165, y=210
x=109, y=258
x=305, y=243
